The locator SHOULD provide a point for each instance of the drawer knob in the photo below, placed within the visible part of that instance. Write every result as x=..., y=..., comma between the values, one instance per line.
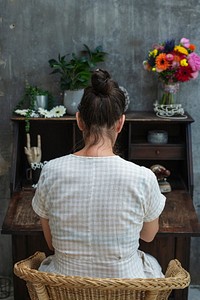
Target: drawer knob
x=157, y=152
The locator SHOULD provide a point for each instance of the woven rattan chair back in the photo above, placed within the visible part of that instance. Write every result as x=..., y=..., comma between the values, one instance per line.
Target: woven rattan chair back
x=45, y=286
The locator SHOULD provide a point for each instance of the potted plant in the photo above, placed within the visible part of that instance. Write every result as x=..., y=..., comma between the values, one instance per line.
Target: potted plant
x=75, y=73
x=33, y=98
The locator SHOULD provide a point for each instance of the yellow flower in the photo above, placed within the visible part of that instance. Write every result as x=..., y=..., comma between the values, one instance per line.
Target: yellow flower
x=153, y=53
x=184, y=62
x=181, y=50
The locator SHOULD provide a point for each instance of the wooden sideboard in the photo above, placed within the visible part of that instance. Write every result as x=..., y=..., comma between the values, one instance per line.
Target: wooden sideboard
x=178, y=222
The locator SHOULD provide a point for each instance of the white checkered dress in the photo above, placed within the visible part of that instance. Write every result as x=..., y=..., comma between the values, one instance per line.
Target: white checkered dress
x=96, y=207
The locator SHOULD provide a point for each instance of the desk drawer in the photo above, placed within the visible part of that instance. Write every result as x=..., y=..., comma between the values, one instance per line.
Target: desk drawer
x=173, y=152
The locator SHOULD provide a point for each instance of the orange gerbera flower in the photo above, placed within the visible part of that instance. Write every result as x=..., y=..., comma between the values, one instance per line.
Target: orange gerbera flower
x=161, y=62
x=192, y=47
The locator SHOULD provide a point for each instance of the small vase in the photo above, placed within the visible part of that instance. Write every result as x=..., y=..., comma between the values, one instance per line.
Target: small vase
x=72, y=100
x=169, y=93
x=41, y=101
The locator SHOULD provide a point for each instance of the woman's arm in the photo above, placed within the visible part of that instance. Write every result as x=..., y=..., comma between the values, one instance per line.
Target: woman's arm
x=149, y=230
x=47, y=232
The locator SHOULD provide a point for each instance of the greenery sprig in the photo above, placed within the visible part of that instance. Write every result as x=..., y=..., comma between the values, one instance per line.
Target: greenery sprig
x=28, y=101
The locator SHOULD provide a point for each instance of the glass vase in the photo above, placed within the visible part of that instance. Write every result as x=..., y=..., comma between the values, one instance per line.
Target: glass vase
x=167, y=106
x=169, y=93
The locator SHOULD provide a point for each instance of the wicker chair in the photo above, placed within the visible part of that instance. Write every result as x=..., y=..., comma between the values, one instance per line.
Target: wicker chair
x=43, y=286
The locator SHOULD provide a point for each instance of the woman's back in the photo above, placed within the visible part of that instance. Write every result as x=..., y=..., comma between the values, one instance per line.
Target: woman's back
x=93, y=205
x=96, y=207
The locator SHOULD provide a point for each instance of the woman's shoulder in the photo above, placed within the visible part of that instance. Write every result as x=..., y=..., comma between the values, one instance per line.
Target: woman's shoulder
x=132, y=165
x=57, y=161
x=133, y=169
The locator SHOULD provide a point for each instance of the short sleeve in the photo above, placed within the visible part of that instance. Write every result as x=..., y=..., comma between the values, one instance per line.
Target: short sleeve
x=155, y=199
x=39, y=201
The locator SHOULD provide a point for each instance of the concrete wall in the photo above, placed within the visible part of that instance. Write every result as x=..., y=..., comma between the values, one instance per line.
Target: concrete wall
x=33, y=31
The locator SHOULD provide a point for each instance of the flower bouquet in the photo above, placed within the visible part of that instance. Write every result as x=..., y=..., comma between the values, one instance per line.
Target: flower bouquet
x=174, y=63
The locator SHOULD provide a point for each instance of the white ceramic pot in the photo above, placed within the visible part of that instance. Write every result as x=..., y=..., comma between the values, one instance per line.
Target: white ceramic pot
x=72, y=100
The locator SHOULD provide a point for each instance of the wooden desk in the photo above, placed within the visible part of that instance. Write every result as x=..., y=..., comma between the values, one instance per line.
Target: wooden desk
x=179, y=216
x=60, y=136
x=178, y=223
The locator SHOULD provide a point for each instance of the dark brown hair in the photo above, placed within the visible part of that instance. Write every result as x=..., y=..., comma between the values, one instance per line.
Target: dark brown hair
x=102, y=104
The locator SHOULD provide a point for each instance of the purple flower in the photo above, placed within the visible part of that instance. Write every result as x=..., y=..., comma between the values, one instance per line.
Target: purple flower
x=169, y=46
x=194, y=61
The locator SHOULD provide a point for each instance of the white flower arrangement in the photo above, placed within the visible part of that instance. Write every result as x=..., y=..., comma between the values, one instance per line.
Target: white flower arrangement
x=45, y=113
x=56, y=112
x=23, y=112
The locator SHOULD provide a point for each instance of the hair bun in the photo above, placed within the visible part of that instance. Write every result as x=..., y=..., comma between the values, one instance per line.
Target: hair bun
x=102, y=82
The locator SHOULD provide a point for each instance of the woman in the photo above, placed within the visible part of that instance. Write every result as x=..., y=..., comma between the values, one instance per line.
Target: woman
x=95, y=206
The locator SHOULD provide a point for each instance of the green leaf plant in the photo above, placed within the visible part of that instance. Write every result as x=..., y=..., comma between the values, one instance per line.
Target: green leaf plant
x=75, y=70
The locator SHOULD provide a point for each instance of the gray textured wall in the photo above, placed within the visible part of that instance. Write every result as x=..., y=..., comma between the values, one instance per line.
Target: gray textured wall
x=33, y=31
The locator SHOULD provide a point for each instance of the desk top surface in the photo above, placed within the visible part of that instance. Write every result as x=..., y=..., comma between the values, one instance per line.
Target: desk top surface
x=132, y=116
x=178, y=217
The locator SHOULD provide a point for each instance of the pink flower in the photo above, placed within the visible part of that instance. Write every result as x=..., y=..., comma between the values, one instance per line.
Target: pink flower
x=175, y=64
x=169, y=57
x=194, y=61
x=185, y=42
x=195, y=75
x=159, y=70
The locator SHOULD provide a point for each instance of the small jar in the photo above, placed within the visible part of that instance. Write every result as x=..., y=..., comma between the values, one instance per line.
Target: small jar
x=157, y=137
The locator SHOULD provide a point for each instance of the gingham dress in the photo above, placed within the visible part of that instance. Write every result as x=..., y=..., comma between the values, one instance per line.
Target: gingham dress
x=96, y=207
